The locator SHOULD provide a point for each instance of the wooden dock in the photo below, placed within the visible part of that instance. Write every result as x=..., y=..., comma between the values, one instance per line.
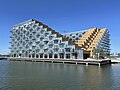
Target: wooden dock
x=70, y=61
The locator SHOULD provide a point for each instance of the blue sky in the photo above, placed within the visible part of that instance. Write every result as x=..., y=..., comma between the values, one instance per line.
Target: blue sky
x=61, y=15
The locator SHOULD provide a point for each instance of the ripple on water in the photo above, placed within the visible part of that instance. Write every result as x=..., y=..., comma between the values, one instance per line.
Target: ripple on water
x=54, y=76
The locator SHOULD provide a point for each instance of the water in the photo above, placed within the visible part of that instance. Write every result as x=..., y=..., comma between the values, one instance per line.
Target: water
x=54, y=76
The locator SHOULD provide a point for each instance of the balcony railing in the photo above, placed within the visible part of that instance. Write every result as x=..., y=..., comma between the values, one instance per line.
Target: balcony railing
x=56, y=46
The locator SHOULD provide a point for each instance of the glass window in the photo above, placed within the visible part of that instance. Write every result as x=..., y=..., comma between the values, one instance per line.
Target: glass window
x=45, y=50
x=41, y=46
x=55, y=41
x=50, y=37
x=67, y=49
x=50, y=46
x=61, y=45
x=56, y=50
x=67, y=55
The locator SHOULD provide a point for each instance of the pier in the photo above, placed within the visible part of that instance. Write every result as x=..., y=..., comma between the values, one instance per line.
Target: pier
x=70, y=61
x=3, y=58
x=115, y=60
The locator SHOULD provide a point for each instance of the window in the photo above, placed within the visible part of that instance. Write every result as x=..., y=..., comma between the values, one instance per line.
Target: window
x=50, y=46
x=45, y=42
x=34, y=26
x=55, y=50
x=77, y=33
x=41, y=46
x=67, y=55
x=50, y=37
x=55, y=41
x=37, y=35
x=45, y=50
x=67, y=49
x=37, y=51
x=46, y=34
x=80, y=35
x=42, y=31
x=55, y=56
x=50, y=55
x=41, y=55
x=38, y=28
x=27, y=33
x=73, y=36
x=45, y=56
x=31, y=30
x=60, y=41
x=27, y=27
x=77, y=38
x=61, y=45
x=73, y=50
x=41, y=39
x=37, y=56
x=55, y=46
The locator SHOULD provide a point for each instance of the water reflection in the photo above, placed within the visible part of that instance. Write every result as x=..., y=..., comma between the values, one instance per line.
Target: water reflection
x=54, y=76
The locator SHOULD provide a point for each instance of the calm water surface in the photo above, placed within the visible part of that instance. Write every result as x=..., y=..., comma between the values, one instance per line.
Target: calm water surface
x=53, y=76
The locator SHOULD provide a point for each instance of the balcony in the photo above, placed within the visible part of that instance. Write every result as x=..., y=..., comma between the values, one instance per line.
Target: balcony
x=50, y=51
x=56, y=46
x=61, y=51
x=50, y=46
x=51, y=43
x=34, y=32
x=27, y=39
x=10, y=48
x=11, y=31
x=33, y=38
x=46, y=39
x=33, y=44
x=38, y=35
x=45, y=47
x=11, y=37
x=38, y=40
x=41, y=43
x=41, y=51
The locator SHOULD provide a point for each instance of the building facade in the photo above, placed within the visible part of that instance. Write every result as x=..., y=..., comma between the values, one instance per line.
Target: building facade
x=33, y=39
x=91, y=40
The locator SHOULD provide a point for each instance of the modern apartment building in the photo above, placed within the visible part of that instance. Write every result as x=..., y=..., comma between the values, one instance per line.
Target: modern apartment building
x=33, y=39
x=92, y=39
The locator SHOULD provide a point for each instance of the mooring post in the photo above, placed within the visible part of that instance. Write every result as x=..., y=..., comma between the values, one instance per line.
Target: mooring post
x=86, y=64
x=99, y=64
